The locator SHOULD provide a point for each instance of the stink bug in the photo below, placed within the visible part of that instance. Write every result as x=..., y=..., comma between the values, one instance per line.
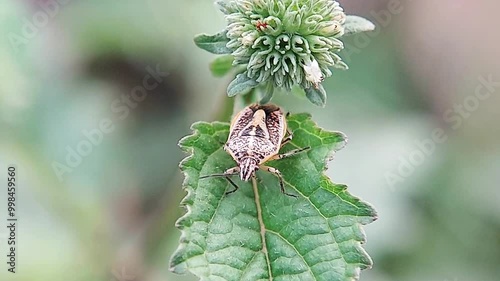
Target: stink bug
x=256, y=135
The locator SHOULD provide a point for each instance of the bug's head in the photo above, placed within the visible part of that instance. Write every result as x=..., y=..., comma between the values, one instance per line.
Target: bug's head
x=248, y=166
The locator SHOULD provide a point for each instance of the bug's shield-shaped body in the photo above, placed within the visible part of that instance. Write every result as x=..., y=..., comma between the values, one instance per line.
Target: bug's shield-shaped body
x=255, y=136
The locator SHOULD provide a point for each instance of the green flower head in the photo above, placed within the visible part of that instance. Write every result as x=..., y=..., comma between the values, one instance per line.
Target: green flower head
x=282, y=43
x=288, y=42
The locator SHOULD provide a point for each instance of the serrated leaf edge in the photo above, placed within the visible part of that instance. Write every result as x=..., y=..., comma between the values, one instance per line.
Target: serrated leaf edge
x=179, y=268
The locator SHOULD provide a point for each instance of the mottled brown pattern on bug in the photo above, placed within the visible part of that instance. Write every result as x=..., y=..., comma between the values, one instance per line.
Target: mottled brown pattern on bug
x=255, y=136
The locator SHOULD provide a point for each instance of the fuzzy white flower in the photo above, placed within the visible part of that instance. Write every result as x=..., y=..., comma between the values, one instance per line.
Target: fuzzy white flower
x=313, y=72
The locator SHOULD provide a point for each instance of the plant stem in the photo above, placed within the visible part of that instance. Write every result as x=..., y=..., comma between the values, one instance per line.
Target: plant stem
x=225, y=111
x=250, y=97
x=242, y=101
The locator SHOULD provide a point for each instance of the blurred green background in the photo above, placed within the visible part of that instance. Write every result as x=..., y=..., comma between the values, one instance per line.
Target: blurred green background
x=68, y=66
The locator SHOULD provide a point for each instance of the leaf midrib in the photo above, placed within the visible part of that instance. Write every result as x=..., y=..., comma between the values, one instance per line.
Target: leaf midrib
x=262, y=227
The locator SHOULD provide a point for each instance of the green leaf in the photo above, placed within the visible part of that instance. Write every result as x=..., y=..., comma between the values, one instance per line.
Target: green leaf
x=356, y=24
x=215, y=44
x=240, y=85
x=222, y=65
x=259, y=233
x=316, y=95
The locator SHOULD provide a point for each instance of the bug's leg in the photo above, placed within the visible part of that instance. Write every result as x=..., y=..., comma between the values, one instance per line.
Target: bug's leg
x=287, y=138
x=226, y=174
x=289, y=153
x=277, y=173
x=233, y=184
